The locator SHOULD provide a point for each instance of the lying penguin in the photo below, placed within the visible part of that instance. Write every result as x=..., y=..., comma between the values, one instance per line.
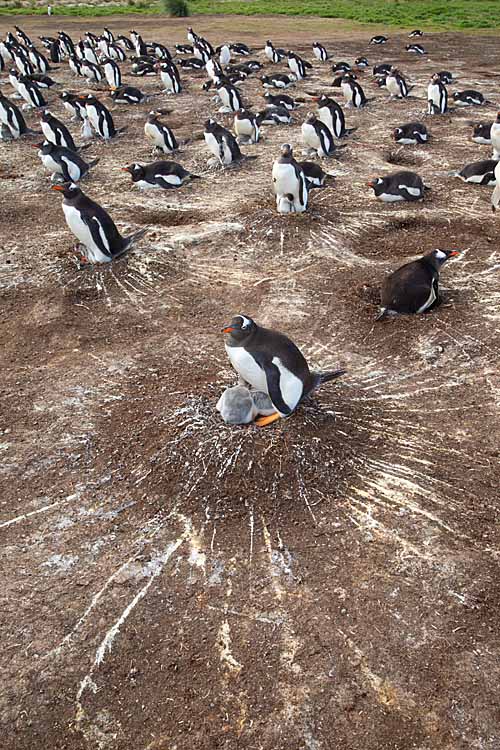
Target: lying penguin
x=270, y=362
x=398, y=186
x=478, y=172
x=414, y=288
x=159, y=174
x=411, y=134
x=239, y=405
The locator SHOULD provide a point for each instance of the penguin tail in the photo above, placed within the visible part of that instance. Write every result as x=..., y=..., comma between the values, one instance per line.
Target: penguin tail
x=427, y=187
x=453, y=173
x=382, y=314
x=93, y=162
x=121, y=130
x=135, y=237
x=195, y=177
x=324, y=377
x=246, y=157
x=348, y=131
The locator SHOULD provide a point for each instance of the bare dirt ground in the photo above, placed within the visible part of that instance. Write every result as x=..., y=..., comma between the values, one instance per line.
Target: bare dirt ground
x=171, y=583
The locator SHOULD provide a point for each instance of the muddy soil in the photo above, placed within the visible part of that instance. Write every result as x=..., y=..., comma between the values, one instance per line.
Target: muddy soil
x=332, y=581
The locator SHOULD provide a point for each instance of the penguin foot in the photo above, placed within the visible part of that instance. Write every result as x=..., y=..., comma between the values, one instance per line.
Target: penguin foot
x=264, y=421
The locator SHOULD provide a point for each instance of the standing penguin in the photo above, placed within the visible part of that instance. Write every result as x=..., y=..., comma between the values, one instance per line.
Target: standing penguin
x=273, y=54
x=61, y=161
x=160, y=134
x=289, y=180
x=317, y=137
x=270, y=362
x=352, y=91
x=495, y=137
x=437, y=96
x=229, y=96
x=332, y=114
x=100, y=118
x=396, y=84
x=56, y=131
x=296, y=65
x=30, y=93
x=246, y=126
x=414, y=288
x=221, y=143
x=73, y=105
x=112, y=72
x=320, y=52
x=224, y=55
x=94, y=227
x=170, y=77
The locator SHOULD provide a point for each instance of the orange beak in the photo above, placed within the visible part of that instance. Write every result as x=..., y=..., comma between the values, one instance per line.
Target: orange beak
x=454, y=254
x=228, y=329
x=370, y=184
x=59, y=188
x=125, y=169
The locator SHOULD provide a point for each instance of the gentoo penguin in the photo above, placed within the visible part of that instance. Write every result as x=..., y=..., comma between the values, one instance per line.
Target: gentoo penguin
x=273, y=54
x=192, y=63
x=61, y=161
x=469, y=98
x=124, y=42
x=91, y=71
x=42, y=81
x=74, y=65
x=239, y=48
x=246, y=126
x=317, y=137
x=100, y=118
x=229, y=96
x=160, y=51
x=37, y=59
x=142, y=69
x=115, y=52
x=159, y=134
x=297, y=65
x=112, y=72
x=320, y=52
x=396, y=84
x=411, y=134
x=127, y=95
x=94, y=227
x=184, y=49
x=495, y=198
x=55, y=51
x=221, y=143
x=67, y=44
x=12, y=119
x=352, y=91
x=341, y=67
x=280, y=100
x=73, y=105
x=414, y=288
x=30, y=93
x=417, y=49
x=445, y=76
x=415, y=32
x=169, y=77
x=361, y=62
x=89, y=53
x=214, y=70
x=239, y=405
x=224, y=53
x=398, y=186
x=437, y=96
x=270, y=362
x=201, y=53
x=315, y=176
x=478, y=172
x=159, y=174
x=495, y=137
x=278, y=81
x=56, y=131
x=382, y=70
x=378, y=39
x=274, y=115
x=481, y=132
x=289, y=180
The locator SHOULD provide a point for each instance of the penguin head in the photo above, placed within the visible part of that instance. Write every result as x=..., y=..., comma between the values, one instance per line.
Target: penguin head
x=311, y=118
x=396, y=133
x=210, y=126
x=439, y=257
x=286, y=151
x=152, y=117
x=456, y=95
x=375, y=183
x=69, y=190
x=45, y=116
x=436, y=78
x=240, y=328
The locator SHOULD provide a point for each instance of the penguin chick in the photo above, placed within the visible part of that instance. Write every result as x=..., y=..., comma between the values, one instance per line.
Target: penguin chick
x=236, y=405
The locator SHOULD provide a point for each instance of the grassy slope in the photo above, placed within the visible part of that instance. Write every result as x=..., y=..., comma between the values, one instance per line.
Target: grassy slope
x=438, y=14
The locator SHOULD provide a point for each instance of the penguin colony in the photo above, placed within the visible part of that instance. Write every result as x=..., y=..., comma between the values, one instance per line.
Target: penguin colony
x=274, y=376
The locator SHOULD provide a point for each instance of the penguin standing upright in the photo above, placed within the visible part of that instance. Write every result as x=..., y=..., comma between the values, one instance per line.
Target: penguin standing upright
x=332, y=114
x=100, y=118
x=414, y=288
x=495, y=137
x=12, y=119
x=271, y=53
x=317, y=137
x=396, y=84
x=296, y=65
x=170, y=77
x=246, y=126
x=160, y=134
x=31, y=93
x=221, y=143
x=270, y=362
x=112, y=72
x=229, y=96
x=61, y=161
x=352, y=91
x=94, y=227
x=56, y=131
x=224, y=55
x=39, y=61
x=437, y=96
x=289, y=180
x=320, y=52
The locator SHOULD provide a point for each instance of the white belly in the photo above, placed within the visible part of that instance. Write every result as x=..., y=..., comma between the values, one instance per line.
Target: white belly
x=347, y=92
x=325, y=116
x=153, y=134
x=434, y=94
x=412, y=190
x=73, y=169
x=49, y=163
x=309, y=136
x=389, y=198
x=291, y=386
x=82, y=233
x=247, y=368
x=285, y=180
x=392, y=86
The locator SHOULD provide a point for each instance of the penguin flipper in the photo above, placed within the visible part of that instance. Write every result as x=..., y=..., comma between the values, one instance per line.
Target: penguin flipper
x=273, y=387
x=95, y=230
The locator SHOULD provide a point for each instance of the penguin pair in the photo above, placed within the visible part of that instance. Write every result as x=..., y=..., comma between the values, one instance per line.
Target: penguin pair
x=317, y=136
x=437, y=96
x=478, y=172
x=469, y=98
x=411, y=134
x=222, y=144
x=289, y=183
x=169, y=77
x=246, y=126
x=100, y=239
x=320, y=52
x=398, y=186
x=64, y=162
x=396, y=84
x=160, y=134
x=159, y=174
x=270, y=362
x=414, y=288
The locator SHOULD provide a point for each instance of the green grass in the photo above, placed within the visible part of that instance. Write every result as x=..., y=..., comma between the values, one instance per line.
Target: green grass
x=429, y=14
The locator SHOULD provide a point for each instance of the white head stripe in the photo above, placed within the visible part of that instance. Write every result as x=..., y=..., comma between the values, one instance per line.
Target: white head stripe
x=440, y=254
x=245, y=323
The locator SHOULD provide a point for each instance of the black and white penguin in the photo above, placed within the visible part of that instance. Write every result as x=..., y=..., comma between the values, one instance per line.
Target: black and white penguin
x=281, y=100
x=115, y=52
x=353, y=93
x=495, y=197
x=201, y=53
x=278, y=81
x=469, y=98
x=239, y=48
x=481, y=132
x=270, y=362
x=11, y=119
x=42, y=81
x=445, y=76
x=229, y=96
x=184, y=49
x=89, y=53
x=315, y=176
x=39, y=61
x=214, y=70
x=74, y=65
x=414, y=288
x=411, y=134
x=437, y=96
x=112, y=72
x=221, y=143
x=30, y=92
x=398, y=186
x=169, y=77
x=361, y=62
x=320, y=52
x=289, y=182
x=160, y=134
x=94, y=227
x=273, y=54
x=224, y=53
x=67, y=44
x=317, y=136
x=382, y=70
x=332, y=114
x=100, y=118
x=495, y=137
x=246, y=126
x=55, y=52
x=127, y=95
x=297, y=65
x=159, y=174
x=415, y=32
x=160, y=51
x=91, y=71
x=416, y=49
x=378, y=39
x=56, y=131
x=478, y=172
x=274, y=115
x=396, y=84
x=61, y=161
x=73, y=105
x=22, y=35
x=192, y=63
x=24, y=66
x=341, y=67
x=141, y=69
